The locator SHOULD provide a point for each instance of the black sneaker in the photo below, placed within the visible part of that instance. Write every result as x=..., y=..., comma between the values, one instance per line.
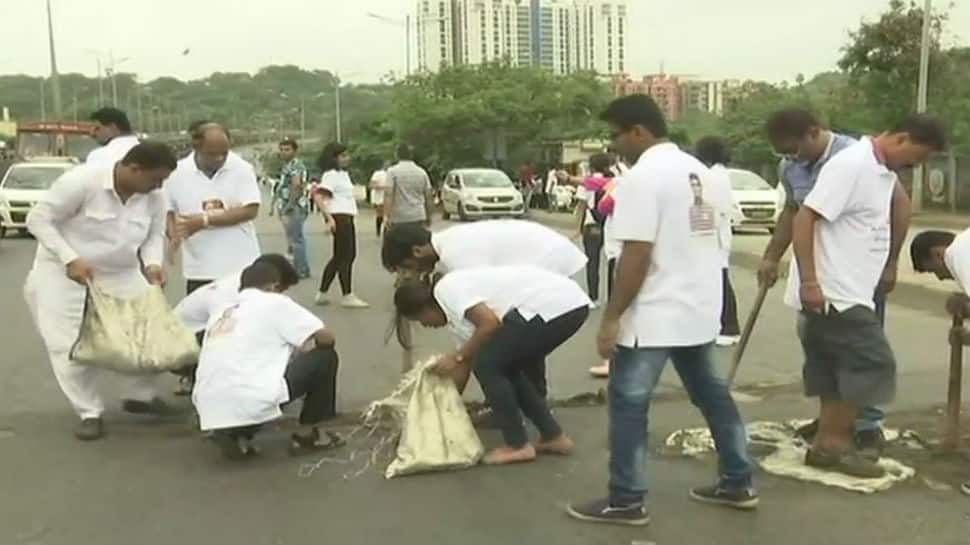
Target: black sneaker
x=965, y=488
x=155, y=407
x=601, y=511
x=738, y=498
x=90, y=429
x=808, y=431
x=233, y=446
x=870, y=443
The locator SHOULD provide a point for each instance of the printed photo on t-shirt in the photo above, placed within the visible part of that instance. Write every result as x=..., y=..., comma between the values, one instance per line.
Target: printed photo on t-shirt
x=213, y=205
x=702, y=215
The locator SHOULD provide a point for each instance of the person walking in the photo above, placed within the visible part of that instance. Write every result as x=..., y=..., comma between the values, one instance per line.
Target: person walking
x=410, y=198
x=666, y=305
x=713, y=152
x=589, y=194
x=112, y=130
x=294, y=204
x=335, y=198
x=378, y=185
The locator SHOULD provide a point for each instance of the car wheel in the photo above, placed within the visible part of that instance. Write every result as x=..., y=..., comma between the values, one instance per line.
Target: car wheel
x=461, y=212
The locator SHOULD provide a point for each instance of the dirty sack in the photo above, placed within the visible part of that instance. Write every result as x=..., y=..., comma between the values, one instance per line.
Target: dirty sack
x=436, y=433
x=787, y=454
x=139, y=335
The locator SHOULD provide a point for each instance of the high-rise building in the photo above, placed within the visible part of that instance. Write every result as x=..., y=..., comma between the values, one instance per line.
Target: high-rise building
x=560, y=35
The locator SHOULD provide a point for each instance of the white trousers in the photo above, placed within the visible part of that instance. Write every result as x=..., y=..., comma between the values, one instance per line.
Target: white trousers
x=57, y=304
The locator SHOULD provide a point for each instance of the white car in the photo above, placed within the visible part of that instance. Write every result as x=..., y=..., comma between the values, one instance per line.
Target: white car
x=480, y=192
x=756, y=203
x=23, y=185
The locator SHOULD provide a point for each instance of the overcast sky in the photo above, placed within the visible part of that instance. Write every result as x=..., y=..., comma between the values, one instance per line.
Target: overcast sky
x=760, y=39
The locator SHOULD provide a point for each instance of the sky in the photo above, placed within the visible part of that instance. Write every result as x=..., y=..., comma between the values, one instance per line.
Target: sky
x=772, y=40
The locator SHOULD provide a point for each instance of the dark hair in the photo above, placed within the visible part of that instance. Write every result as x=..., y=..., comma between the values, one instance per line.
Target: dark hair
x=601, y=163
x=632, y=110
x=712, y=150
x=399, y=243
x=195, y=127
x=790, y=123
x=289, y=142
x=405, y=152
x=259, y=274
x=923, y=244
x=150, y=155
x=413, y=295
x=923, y=129
x=288, y=275
x=113, y=116
x=328, y=157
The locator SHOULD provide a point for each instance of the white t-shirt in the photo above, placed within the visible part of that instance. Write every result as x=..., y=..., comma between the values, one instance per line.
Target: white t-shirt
x=722, y=183
x=112, y=152
x=853, y=196
x=589, y=197
x=197, y=307
x=497, y=243
x=338, y=183
x=215, y=252
x=240, y=380
x=957, y=259
x=679, y=303
x=378, y=182
x=530, y=290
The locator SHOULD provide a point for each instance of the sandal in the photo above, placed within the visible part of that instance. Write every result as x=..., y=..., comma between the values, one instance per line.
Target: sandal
x=305, y=444
x=185, y=387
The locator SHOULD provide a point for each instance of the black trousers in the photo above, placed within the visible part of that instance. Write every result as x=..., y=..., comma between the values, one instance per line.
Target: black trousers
x=344, y=253
x=610, y=276
x=729, y=307
x=593, y=245
x=313, y=376
x=192, y=285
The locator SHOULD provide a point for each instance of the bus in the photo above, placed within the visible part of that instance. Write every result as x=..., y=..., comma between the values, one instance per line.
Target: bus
x=55, y=139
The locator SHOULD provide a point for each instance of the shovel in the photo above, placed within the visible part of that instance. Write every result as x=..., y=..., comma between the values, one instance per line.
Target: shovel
x=746, y=333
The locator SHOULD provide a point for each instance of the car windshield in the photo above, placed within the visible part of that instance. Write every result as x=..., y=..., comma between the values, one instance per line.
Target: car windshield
x=742, y=180
x=485, y=178
x=33, y=177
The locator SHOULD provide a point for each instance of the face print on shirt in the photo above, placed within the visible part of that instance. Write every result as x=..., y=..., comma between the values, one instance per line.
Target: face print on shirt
x=213, y=205
x=224, y=325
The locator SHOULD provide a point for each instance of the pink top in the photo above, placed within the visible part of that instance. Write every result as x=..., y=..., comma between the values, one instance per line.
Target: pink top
x=598, y=182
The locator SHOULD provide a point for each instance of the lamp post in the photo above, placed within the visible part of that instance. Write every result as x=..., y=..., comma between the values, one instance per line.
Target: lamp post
x=55, y=78
x=921, y=95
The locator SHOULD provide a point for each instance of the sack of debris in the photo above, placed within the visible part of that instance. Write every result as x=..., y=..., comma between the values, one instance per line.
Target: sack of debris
x=140, y=335
x=436, y=433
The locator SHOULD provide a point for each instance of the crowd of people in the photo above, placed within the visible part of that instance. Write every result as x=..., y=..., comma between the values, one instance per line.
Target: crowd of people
x=659, y=214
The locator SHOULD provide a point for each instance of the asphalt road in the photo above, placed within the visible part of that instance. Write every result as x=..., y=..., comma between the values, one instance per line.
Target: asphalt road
x=158, y=482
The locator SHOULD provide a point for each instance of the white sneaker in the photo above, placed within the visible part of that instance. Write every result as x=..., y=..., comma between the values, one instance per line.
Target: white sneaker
x=352, y=301
x=594, y=305
x=727, y=340
x=321, y=299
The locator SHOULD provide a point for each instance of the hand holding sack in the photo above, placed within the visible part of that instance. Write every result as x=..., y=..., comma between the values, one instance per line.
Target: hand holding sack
x=140, y=335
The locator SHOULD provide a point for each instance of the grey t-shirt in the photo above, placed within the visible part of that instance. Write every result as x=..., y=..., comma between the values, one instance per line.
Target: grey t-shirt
x=408, y=184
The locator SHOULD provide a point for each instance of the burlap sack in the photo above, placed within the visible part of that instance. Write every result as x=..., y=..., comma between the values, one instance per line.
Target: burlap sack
x=135, y=336
x=436, y=432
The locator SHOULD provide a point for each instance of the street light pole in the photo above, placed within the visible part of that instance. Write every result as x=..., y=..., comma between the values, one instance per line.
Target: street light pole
x=55, y=79
x=336, y=95
x=407, y=37
x=43, y=100
x=302, y=119
x=921, y=97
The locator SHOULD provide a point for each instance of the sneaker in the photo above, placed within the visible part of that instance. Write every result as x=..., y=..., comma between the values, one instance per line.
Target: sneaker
x=233, y=446
x=738, y=498
x=352, y=301
x=870, y=443
x=807, y=432
x=601, y=511
x=321, y=299
x=849, y=463
x=185, y=386
x=727, y=340
x=600, y=371
x=155, y=407
x=89, y=429
x=965, y=488
x=594, y=305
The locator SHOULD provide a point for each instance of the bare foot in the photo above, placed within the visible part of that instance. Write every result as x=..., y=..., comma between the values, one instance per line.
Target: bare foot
x=600, y=371
x=509, y=455
x=561, y=445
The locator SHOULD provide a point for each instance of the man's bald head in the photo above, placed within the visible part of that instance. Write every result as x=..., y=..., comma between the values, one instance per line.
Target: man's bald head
x=212, y=147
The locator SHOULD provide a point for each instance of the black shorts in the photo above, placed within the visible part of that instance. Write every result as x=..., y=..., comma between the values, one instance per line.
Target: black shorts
x=847, y=357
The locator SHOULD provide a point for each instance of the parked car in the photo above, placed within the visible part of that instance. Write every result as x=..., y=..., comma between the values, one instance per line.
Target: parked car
x=22, y=186
x=480, y=192
x=756, y=203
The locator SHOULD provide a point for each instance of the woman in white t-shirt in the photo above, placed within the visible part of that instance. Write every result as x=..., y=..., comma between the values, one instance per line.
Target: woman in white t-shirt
x=508, y=320
x=335, y=198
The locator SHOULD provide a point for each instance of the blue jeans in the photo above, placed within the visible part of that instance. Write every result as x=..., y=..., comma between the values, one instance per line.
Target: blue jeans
x=294, y=220
x=871, y=418
x=634, y=373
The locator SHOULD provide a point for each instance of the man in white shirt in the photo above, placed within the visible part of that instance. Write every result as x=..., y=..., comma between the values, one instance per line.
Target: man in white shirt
x=113, y=131
x=948, y=257
x=713, y=152
x=212, y=205
x=250, y=366
x=378, y=184
x=666, y=304
x=841, y=240
x=101, y=223
x=508, y=320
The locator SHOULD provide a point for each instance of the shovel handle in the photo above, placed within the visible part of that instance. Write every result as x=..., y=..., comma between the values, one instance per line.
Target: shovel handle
x=951, y=434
